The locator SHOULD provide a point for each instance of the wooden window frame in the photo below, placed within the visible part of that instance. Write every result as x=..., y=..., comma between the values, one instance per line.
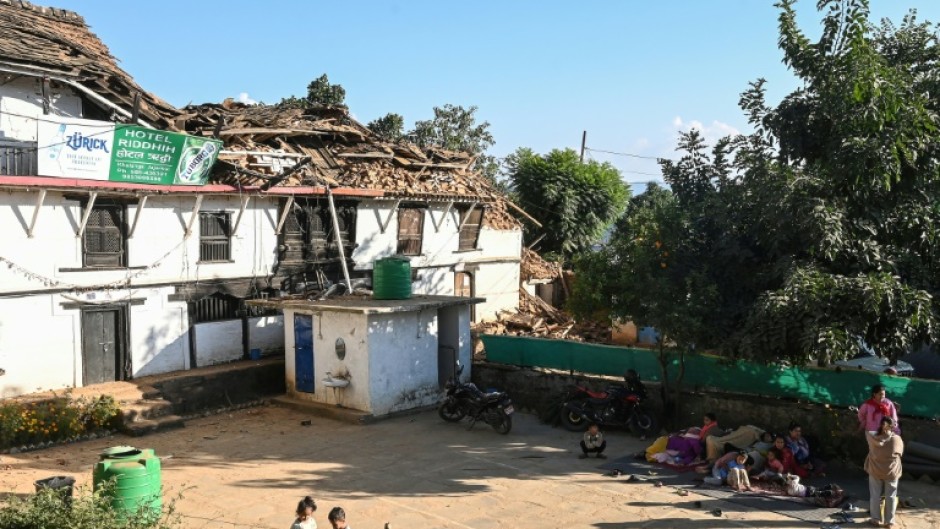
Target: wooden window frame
x=94, y=230
x=206, y=240
x=408, y=239
x=465, y=229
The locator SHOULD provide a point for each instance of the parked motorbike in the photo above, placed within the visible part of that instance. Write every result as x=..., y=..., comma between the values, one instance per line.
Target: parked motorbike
x=464, y=399
x=618, y=406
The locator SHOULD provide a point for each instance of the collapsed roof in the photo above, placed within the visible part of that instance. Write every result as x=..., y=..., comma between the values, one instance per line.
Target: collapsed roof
x=57, y=44
x=263, y=142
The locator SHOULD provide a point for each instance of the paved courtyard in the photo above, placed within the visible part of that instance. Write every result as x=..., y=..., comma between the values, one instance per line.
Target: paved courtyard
x=249, y=468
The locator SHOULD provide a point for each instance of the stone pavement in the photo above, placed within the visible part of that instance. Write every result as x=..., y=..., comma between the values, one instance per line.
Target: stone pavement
x=249, y=468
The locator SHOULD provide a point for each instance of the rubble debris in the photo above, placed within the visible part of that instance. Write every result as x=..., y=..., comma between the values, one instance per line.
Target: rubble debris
x=261, y=141
x=537, y=318
x=534, y=266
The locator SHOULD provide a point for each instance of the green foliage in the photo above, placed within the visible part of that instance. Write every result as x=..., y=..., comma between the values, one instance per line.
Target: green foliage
x=46, y=509
x=390, y=127
x=55, y=419
x=319, y=92
x=574, y=201
x=455, y=128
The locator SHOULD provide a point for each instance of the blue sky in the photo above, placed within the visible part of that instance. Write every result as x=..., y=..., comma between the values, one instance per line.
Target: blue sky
x=631, y=73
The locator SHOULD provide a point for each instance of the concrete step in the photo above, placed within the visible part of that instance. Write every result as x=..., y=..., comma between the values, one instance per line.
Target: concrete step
x=149, y=426
x=144, y=409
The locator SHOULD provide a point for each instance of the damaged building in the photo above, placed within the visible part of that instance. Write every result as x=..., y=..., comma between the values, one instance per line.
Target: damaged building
x=118, y=273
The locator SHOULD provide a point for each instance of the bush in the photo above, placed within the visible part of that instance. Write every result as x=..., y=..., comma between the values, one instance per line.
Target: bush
x=55, y=419
x=47, y=509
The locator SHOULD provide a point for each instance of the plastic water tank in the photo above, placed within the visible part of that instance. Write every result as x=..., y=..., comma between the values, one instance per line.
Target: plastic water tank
x=138, y=481
x=391, y=278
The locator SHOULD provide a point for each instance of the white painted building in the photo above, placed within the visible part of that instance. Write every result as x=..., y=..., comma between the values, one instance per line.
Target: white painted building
x=389, y=355
x=105, y=280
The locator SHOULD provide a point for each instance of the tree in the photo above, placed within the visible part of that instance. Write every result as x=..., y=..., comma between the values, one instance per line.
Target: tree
x=859, y=149
x=575, y=202
x=455, y=128
x=319, y=92
x=390, y=127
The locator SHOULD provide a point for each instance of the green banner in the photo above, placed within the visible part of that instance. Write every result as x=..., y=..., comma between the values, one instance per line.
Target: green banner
x=148, y=156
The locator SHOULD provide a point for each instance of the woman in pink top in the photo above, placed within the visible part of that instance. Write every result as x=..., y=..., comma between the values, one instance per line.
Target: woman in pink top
x=874, y=409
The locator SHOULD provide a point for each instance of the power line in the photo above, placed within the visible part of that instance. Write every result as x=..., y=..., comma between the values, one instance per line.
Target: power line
x=627, y=154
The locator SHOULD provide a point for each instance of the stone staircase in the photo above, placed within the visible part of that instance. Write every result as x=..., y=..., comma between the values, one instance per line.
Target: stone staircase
x=143, y=408
x=161, y=402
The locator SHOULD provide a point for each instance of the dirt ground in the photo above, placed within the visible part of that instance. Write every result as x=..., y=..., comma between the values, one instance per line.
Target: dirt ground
x=249, y=468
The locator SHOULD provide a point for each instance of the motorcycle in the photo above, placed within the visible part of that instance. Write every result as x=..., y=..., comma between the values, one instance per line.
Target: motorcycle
x=619, y=405
x=464, y=399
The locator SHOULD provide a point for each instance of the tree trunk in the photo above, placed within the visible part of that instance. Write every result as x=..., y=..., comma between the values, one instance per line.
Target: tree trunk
x=678, y=387
x=664, y=370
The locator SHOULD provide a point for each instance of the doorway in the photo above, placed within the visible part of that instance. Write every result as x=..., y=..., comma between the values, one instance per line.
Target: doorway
x=303, y=353
x=104, y=345
x=464, y=288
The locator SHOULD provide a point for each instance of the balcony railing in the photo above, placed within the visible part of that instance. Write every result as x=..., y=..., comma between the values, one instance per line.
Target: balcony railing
x=18, y=158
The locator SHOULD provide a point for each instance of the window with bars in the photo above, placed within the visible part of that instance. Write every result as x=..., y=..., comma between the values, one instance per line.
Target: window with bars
x=104, y=242
x=215, y=236
x=217, y=307
x=470, y=230
x=410, y=230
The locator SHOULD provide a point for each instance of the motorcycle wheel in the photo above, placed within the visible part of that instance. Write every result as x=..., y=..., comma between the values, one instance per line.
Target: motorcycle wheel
x=504, y=426
x=644, y=423
x=572, y=421
x=450, y=411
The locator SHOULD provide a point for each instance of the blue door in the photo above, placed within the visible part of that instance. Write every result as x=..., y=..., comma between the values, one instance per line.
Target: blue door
x=303, y=352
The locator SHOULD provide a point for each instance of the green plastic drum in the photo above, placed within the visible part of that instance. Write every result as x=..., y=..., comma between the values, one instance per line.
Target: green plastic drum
x=391, y=278
x=138, y=482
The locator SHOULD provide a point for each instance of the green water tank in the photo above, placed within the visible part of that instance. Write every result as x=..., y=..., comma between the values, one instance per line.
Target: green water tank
x=391, y=278
x=138, y=483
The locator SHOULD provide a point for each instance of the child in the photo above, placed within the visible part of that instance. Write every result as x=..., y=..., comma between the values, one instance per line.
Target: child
x=773, y=469
x=738, y=469
x=593, y=442
x=790, y=465
x=305, y=509
x=337, y=518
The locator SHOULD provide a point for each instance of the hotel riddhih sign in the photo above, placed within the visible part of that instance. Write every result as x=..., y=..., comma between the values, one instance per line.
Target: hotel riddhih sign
x=100, y=150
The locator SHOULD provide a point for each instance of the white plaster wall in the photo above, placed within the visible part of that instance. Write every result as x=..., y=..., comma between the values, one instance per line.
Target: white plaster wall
x=403, y=361
x=218, y=342
x=499, y=284
x=266, y=333
x=327, y=327
x=21, y=105
x=498, y=254
x=159, y=341
x=36, y=346
x=158, y=240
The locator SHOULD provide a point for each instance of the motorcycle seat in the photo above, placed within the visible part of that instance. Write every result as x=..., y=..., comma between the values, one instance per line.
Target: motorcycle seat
x=597, y=394
x=597, y=401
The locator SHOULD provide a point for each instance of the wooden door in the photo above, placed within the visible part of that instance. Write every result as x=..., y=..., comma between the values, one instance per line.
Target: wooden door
x=103, y=347
x=463, y=287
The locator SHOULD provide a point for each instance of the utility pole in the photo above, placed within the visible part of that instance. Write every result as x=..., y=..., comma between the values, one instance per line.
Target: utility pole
x=583, y=142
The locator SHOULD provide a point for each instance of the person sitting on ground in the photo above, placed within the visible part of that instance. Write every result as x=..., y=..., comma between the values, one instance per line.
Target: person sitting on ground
x=741, y=438
x=874, y=409
x=720, y=470
x=685, y=446
x=337, y=518
x=305, y=509
x=738, y=470
x=593, y=442
x=800, y=448
x=773, y=466
x=789, y=463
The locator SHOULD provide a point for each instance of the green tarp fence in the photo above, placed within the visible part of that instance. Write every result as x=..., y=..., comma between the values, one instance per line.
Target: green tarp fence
x=916, y=397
